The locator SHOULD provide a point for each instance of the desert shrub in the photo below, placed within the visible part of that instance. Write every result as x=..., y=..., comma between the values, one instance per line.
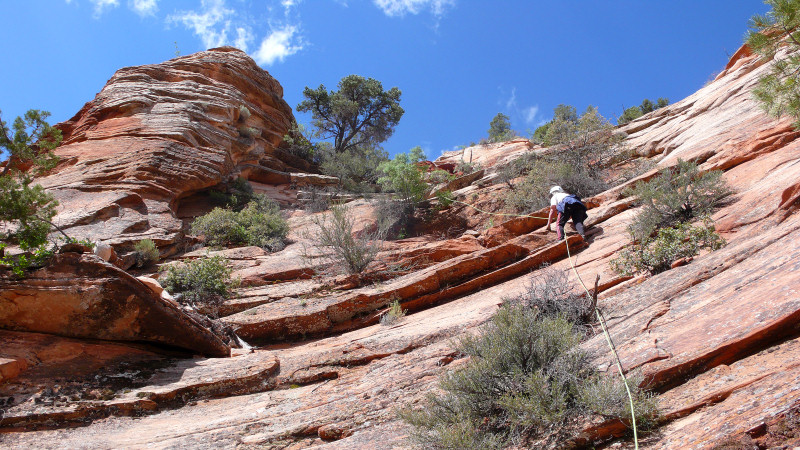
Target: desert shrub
x=395, y=218
x=318, y=200
x=583, y=147
x=677, y=194
x=527, y=384
x=662, y=231
x=404, y=177
x=145, y=252
x=444, y=198
x=244, y=113
x=551, y=293
x=204, y=282
x=629, y=114
x=440, y=176
x=235, y=194
x=334, y=232
x=466, y=167
x=248, y=132
x=356, y=168
x=394, y=314
x=260, y=223
x=297, y=143
x=655, y=255
x=556, y=168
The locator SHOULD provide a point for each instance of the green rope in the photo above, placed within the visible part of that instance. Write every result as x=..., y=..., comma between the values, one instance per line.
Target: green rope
x=611, y=346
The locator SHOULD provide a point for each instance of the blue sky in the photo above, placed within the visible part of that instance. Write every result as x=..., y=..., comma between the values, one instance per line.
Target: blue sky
x=457, y=62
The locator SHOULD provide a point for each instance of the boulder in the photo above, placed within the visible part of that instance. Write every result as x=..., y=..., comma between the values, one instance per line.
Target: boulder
x=82, y=296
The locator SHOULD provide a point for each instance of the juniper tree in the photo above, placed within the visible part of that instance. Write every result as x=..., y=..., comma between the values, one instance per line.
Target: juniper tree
x=500, y=128
x=26, y=210
x=778, y=29
x=358, y=115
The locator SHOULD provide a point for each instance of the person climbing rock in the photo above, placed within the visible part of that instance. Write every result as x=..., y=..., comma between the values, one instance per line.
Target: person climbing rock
x=567, y=206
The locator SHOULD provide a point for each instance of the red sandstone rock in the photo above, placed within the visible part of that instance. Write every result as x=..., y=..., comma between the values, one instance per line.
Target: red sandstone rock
x=80, y=295
x=158, y=134
x=716, y=338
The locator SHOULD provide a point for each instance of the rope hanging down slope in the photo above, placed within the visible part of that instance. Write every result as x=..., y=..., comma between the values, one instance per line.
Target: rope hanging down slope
x=596, y=310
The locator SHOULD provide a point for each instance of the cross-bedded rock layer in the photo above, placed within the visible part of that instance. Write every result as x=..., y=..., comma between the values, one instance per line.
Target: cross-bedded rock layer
x=717, y=339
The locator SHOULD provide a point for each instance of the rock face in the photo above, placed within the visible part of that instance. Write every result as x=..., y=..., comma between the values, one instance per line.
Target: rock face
x=717, y=337
x=82, y=296
x=157, y=134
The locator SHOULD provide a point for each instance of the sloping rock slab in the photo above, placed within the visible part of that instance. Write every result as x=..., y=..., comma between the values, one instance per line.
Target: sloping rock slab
x=82, y=296
x=450, y=279
x=70, y=381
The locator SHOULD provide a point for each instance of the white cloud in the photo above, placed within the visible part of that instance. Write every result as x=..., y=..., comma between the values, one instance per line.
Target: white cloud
x=512, y=101
x=402, y=7
x=144, y=7
x=530, y=114
x=100, y=5
x=278, y=45
x=212, y=24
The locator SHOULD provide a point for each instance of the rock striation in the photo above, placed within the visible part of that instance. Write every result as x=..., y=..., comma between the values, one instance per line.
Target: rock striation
x=717, y=337
x=158, y=136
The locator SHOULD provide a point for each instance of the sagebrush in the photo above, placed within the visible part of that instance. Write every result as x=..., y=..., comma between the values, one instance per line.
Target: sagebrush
x=145, y=252
x=259, y=223
x=664, y=230
x=204, y=282
x=335, y=234
x=526, y=384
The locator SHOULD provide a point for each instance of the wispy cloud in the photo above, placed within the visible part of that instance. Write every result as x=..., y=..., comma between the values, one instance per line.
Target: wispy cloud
x=402, y=7
x=101, y=5
x=530, y=113
x=144, y=7
x=279, y=44
x=510, y=104
x=512, y=100
x=213, y=24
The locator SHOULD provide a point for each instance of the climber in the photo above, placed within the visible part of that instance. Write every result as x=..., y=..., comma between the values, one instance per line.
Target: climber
x=567, y=206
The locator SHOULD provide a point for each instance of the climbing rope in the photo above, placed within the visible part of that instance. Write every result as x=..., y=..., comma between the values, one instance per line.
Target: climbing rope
x=596, y=310
x=498, y=214
x=611, y=346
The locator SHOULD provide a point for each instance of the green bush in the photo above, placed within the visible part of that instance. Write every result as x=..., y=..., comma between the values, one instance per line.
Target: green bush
x=777, y=31
x=395, y=218
x=557, y=168
x=26, y=210
x=334, y=232
x=551, y=294
x=260, y=224
x=468, y=167
x=582, y=150
x=440, y=176
x=647, y=106
x=394, y=314
x=445, y=198
x=526, y=384
x=655, y=255
x=204, y=282
x=145, y=252
x=677, y=194
x=235, y=195
x=356, y=168
x=296, y=143
x=405, y=178
x=662, y=231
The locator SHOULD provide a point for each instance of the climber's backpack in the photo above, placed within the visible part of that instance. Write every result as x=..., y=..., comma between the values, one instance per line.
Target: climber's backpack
x=568, y=200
